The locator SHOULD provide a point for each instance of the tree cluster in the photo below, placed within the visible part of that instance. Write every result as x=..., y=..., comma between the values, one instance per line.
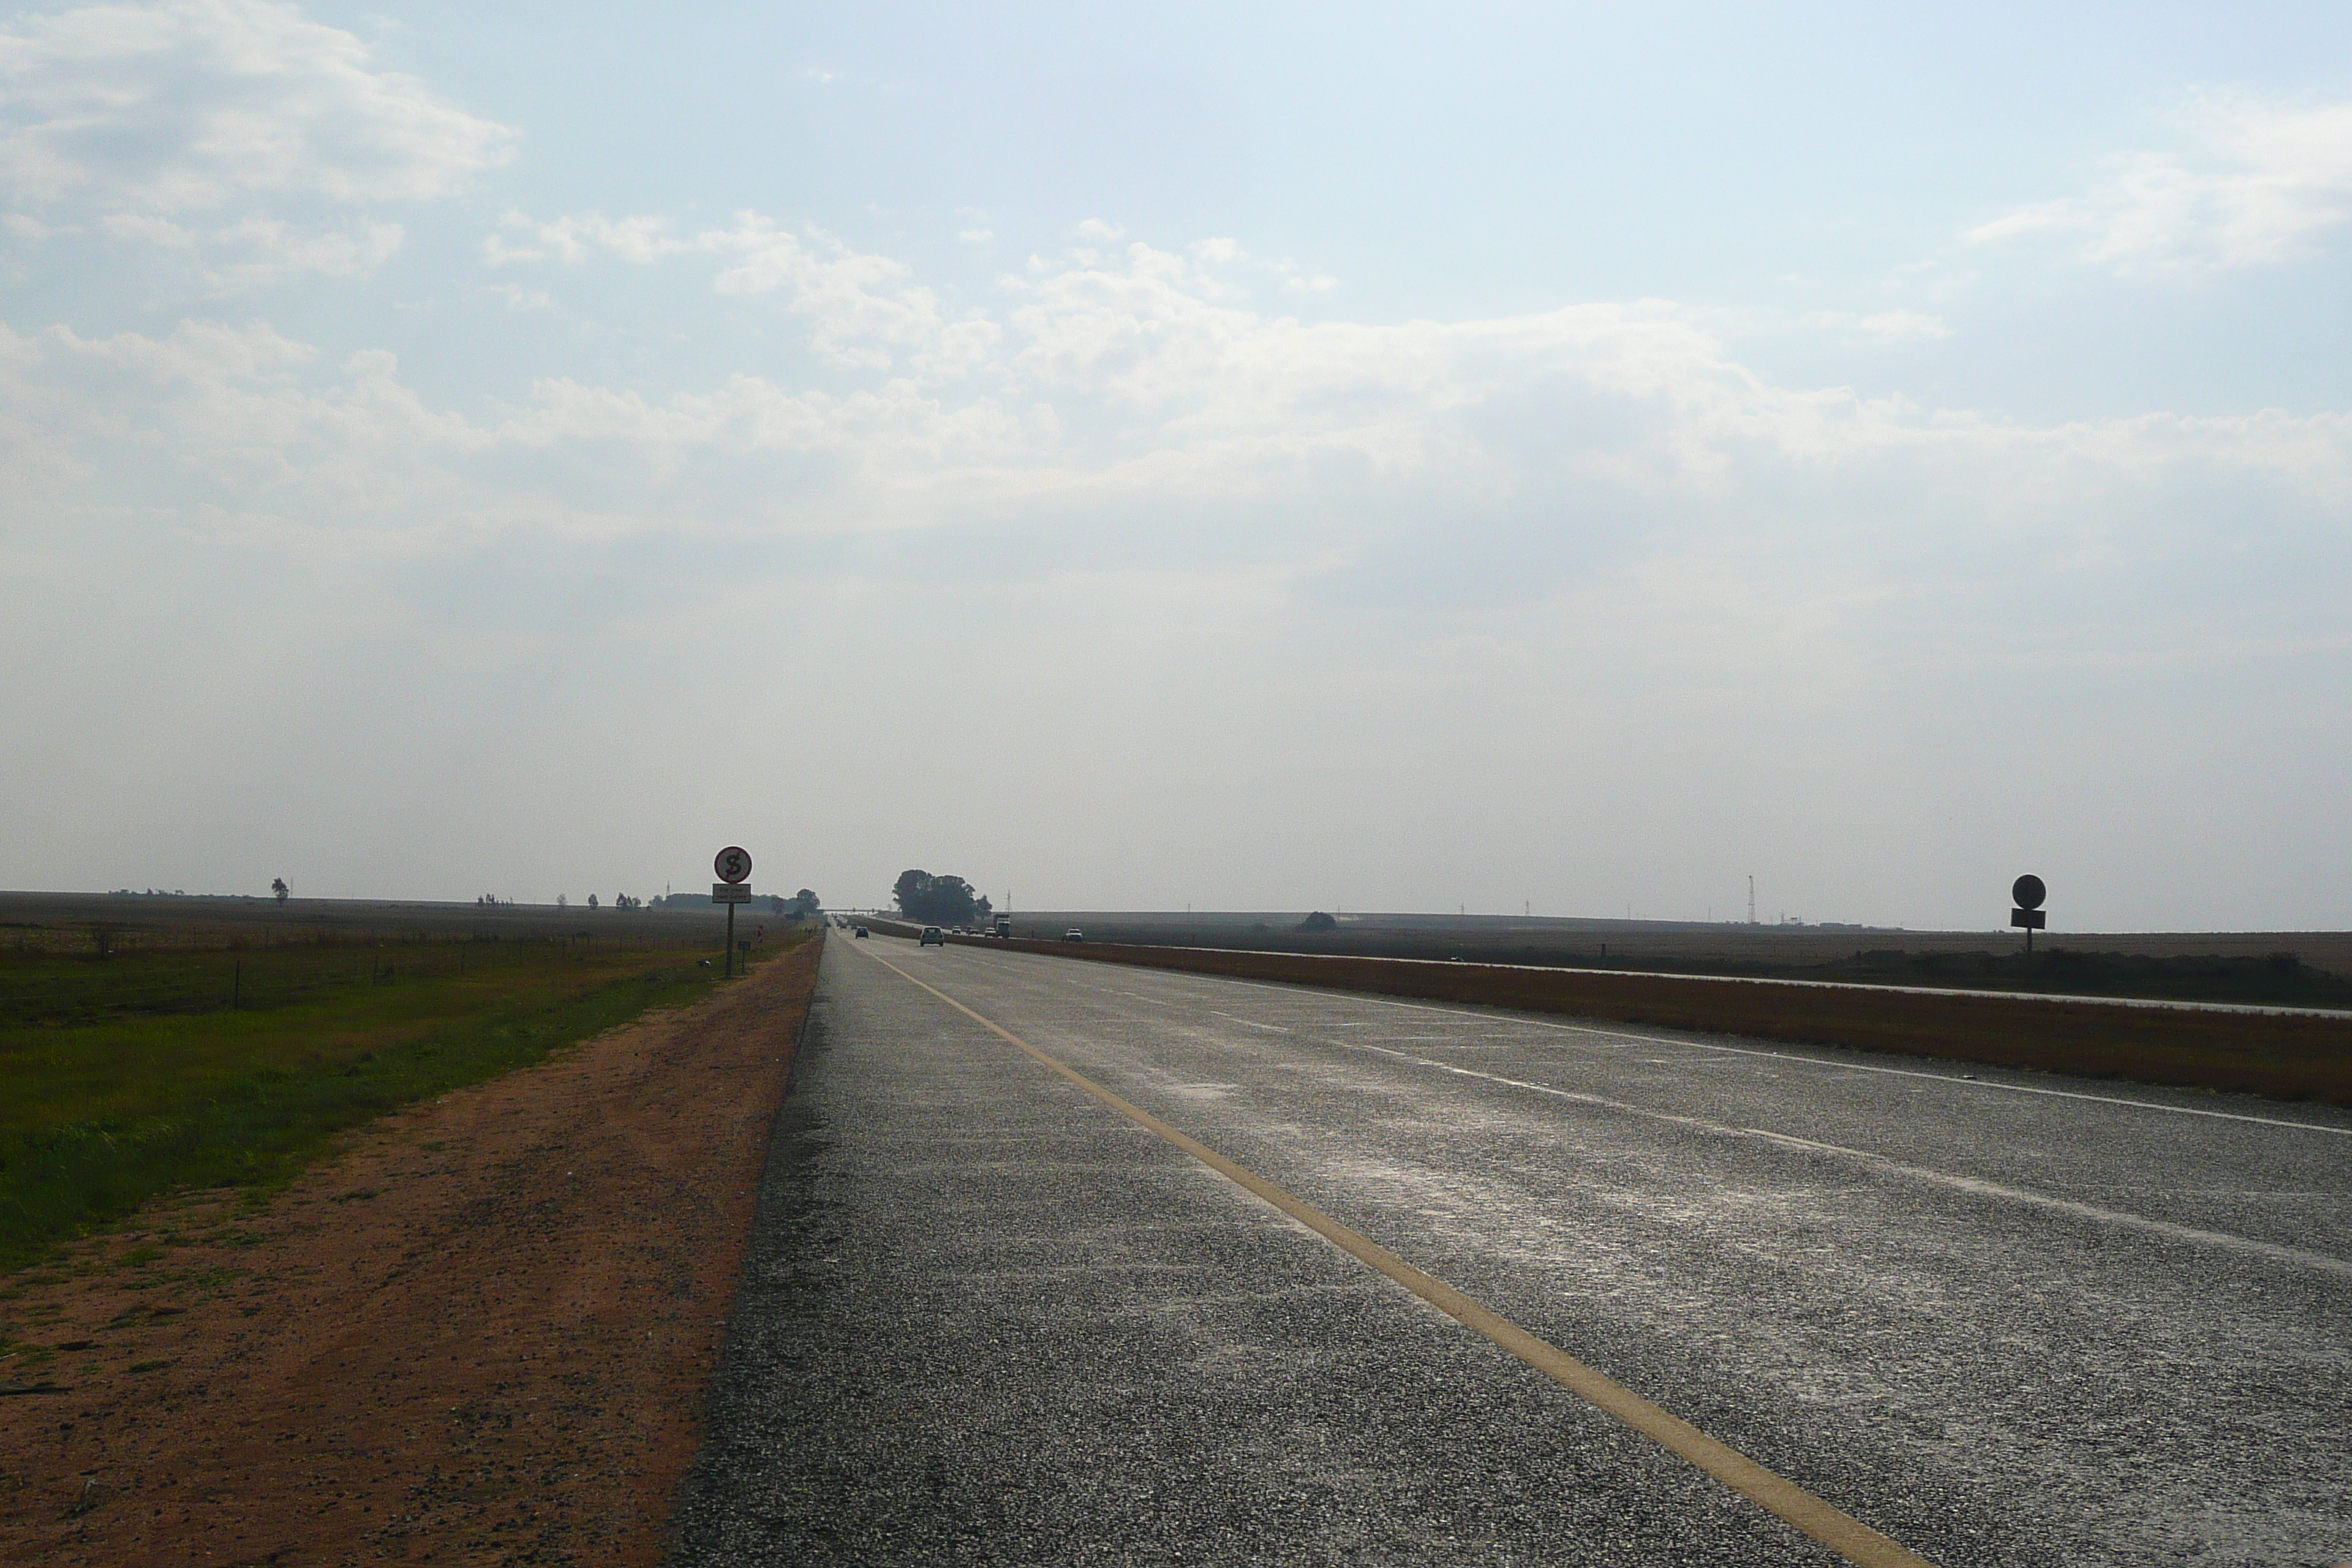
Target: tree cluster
x=938, y=901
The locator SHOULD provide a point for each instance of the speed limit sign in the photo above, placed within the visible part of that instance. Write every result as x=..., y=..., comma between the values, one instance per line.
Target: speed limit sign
x=734, y=863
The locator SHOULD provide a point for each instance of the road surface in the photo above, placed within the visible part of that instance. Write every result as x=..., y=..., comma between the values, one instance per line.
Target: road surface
x=2006, y=1318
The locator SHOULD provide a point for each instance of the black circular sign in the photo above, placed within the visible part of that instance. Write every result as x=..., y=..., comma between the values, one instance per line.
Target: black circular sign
x=2029, y=893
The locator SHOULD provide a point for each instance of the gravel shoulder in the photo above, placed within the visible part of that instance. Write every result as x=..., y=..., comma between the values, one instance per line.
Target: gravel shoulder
x=479, y=1331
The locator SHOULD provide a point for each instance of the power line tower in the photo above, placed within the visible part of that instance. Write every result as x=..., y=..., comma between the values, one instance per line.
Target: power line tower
x=1751, y=900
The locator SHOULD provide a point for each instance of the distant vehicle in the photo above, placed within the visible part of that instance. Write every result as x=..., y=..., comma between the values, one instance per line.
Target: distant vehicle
x=1004, y=926
x=934, y=937
x=1073, y=934
x=861, y=930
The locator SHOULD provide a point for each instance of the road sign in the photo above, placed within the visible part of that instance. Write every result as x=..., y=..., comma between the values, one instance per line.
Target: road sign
x=734, y=863
x=2029, y=893
x=729, y=893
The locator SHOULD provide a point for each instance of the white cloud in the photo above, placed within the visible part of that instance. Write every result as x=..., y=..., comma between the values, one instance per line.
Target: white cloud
x=2260, y=182
x=1903, y=327
x=267, y=249
x=861, y=305
x=258, y=249
x=519, y=298
x=198, y=104
x=573, y=240
x=1132, y=393
x=145, y=228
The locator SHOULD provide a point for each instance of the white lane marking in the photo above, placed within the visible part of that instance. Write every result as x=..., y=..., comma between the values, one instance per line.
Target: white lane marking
x=2071, y=999
x=1972, y=1184
x=1818, y=1062
x=1270, y=1028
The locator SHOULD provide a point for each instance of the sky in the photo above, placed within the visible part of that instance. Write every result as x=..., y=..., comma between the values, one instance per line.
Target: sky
x=1500, y=457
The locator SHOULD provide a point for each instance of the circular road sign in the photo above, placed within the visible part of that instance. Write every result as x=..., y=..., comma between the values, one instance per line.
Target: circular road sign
x=2029, y=893
x=734, y=864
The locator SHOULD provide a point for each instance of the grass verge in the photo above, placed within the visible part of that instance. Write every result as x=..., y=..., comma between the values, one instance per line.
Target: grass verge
x=112, y=1092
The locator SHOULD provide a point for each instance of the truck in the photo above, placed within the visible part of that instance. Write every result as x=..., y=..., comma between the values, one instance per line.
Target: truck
x=1001, y=927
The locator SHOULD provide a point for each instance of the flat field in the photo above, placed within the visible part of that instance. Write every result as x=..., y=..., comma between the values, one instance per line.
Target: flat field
x=148, y=1044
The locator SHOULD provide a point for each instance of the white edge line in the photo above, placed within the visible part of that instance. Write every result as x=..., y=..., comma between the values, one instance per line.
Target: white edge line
x=2165, y=1003
x=1786, y=1056
x=1976, y=1186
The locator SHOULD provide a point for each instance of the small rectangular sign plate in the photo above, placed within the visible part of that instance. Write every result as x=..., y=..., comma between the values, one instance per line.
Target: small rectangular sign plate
x=2031, y=920
x=729, y=893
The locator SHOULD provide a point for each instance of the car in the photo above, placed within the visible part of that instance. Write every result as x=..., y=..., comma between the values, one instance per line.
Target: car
x=861, y=930
x=934, y=937
x=1073, y=934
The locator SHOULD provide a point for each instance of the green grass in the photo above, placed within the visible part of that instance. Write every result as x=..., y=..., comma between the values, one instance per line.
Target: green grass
x=127, y=1075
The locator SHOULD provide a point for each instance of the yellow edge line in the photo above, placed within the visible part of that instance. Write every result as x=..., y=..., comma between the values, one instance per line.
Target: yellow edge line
x=1841, y=1532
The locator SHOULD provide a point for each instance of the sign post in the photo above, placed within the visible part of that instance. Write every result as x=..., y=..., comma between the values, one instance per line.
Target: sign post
x=2029, y=893
x=733, y=865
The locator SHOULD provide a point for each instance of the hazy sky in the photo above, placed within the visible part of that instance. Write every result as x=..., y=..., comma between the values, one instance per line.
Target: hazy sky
x=1380, y=456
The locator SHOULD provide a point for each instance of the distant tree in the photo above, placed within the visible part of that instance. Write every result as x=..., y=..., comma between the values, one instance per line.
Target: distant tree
x=776, y=904
x=908, y=890
x=592, y=900
x=1318, y=921
x=277, y=885
x=934, y=901
x=804, y=906
x=561, y=901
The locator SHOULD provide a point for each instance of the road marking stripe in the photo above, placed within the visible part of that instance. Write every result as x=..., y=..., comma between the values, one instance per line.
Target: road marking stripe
x=1976, y=1186
x=1840, y=1532
x=1775, y=1055
x=2074, y=999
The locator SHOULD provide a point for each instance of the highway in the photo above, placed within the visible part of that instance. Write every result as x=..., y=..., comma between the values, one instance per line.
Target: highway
x=1053, y=1265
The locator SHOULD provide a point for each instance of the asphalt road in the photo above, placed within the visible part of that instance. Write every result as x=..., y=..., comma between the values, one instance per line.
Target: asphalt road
x=2005, y=1320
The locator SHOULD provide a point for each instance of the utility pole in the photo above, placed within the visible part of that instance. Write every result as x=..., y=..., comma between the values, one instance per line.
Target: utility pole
x=1751, y=900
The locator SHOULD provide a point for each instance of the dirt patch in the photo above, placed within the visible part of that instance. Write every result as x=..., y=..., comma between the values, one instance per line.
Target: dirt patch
x=479, y=1332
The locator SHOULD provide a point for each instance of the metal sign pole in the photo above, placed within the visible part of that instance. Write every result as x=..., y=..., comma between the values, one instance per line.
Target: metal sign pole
x=733, y=865
x=2029, y=892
